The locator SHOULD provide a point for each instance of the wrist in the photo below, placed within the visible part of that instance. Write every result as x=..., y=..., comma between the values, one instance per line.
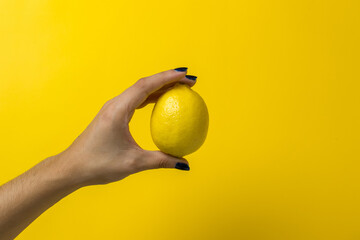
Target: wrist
x=61, y=173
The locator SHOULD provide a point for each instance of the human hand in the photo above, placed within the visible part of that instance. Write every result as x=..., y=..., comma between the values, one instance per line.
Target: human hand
x=106, y=152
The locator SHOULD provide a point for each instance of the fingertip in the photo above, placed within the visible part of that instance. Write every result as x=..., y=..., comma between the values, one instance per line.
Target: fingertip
x=182, y=166
x=181, y=69
x=181, y=163
x=179, y=72
x=184, y=160
x=187, y=81
x=191, y=77
x=158, y=159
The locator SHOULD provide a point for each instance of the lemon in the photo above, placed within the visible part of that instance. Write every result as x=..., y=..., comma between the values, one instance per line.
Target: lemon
x=179, y=121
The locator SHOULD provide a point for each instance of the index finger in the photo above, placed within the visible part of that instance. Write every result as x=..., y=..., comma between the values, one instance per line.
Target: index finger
x=135, y=95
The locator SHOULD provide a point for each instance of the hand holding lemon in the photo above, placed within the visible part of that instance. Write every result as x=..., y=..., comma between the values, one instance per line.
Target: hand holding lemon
x=106, y=152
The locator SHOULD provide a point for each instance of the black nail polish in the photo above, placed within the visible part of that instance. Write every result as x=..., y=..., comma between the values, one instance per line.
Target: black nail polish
x=191, y=77
x=181, y=69
x=182, y=166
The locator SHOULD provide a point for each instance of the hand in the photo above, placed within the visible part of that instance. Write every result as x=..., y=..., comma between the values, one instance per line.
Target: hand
x=103, y=153
x=106, y=152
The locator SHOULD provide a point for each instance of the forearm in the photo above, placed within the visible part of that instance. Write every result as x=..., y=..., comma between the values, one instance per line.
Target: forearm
x=26, y=197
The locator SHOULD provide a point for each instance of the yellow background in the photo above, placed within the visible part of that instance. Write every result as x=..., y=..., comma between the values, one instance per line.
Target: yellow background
x=281, y=81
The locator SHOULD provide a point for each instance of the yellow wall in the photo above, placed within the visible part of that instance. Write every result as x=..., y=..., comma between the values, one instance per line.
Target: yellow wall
x=281, y=80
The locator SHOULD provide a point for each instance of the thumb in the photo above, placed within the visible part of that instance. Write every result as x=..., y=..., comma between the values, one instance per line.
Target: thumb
x=157, y=159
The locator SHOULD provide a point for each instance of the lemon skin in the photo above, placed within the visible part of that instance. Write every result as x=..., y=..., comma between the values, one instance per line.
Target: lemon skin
x=179, y=121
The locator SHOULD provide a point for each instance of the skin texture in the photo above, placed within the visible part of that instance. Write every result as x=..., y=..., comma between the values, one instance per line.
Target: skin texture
x=105, y=152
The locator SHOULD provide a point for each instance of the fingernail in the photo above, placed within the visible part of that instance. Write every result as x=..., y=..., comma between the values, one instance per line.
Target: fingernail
x=182, y=166
x=181, y=69
x=191, y=77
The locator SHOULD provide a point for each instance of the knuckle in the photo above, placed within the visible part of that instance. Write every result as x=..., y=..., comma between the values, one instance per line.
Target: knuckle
x=107, y=103
x=165, y=76
x=105, y=106
x=162, y=163
x=133, y=165
x=107, y=114
x=143, y=85
x=134, y=161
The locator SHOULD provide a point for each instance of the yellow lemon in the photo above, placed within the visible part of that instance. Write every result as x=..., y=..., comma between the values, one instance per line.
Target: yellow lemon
x=179, y=121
